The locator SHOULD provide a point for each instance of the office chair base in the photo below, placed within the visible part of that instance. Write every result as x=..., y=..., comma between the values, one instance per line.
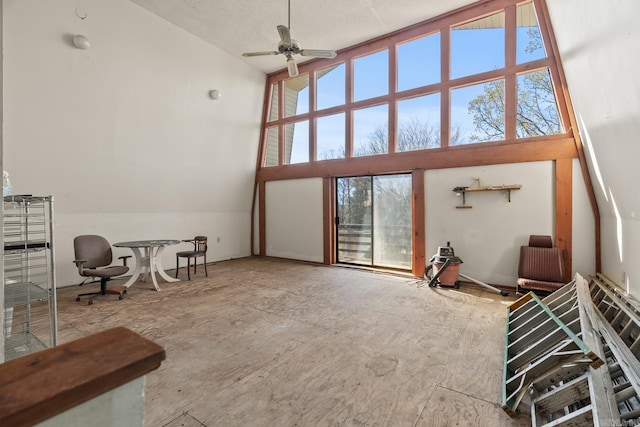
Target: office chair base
x=115, y=290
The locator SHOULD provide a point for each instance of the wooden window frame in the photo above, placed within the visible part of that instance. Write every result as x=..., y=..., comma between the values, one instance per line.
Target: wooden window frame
x=559, y=148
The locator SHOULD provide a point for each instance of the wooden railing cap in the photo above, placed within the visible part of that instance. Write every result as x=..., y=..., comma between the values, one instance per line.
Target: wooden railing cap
x=38, y=386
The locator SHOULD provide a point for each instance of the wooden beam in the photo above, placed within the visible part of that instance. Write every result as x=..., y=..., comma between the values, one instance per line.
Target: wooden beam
x=262, y=144
x=418, y=222
x=38, y=386
x=554, y=147
x=445, y=100
x=564, y=212
x=392, y=126
x=262, y=220
x=510, y=82
x=252, y=236
x=328, y=223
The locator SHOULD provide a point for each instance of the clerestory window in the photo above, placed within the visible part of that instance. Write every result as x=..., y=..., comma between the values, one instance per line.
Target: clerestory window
x=485, y=79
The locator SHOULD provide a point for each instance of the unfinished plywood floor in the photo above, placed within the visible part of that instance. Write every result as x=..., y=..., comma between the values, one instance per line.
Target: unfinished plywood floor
x=266, y=342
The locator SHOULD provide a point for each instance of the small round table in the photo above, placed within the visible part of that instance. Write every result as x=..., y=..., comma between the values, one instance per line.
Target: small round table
x=151, y=261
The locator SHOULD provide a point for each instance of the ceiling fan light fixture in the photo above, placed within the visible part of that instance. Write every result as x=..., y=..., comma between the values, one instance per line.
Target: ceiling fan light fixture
x=288, y=46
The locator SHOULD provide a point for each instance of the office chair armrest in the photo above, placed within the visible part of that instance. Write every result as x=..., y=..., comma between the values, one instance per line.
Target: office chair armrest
x=124, y=259
x=79, y=263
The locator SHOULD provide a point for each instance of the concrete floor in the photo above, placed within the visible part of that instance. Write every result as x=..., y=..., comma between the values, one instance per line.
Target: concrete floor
x=265, y=342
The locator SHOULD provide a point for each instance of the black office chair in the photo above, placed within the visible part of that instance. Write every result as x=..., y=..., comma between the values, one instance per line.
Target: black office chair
x=199, y=250
x=93, y=259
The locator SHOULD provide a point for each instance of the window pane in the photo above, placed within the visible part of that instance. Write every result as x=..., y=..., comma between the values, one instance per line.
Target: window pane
x=271, y=159
x=371, y=76
x=477, y=46
x=370, y=131
x=330, y=86
x=273, y=108
x=296, y=143
x=392, y=221
x=537, y=110
x=529, y=43
x=353, y=200
x=330, y=137
x=296, y=91
x=477, y=113
x=419, y=62
x=419, y=123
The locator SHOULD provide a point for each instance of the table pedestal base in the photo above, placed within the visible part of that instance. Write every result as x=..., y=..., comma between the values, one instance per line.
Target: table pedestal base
x=149, y=264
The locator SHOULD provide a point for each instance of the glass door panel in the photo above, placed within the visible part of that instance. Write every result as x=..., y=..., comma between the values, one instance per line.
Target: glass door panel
x=392, y=221
x=355, y=244
x=374, y=221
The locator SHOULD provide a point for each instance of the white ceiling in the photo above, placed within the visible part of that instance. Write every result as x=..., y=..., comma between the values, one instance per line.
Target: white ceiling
x=238, y=26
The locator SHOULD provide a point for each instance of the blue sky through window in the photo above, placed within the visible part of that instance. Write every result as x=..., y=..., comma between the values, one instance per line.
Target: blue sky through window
x=330, y=87
x=366, y=122
x=475, y=51
x=419, y=62
x=300, y=141
x=371, y=76
x=476, y=47
x=330, y=137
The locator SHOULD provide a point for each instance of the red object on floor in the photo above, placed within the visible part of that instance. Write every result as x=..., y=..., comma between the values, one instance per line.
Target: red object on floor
x=449, y=277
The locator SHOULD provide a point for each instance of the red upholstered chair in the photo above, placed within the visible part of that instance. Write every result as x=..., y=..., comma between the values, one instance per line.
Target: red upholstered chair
x=541, y=266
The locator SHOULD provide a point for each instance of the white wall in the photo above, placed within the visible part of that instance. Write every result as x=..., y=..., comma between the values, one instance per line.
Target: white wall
x=121, y=406
x=598, y=43
x=487, y=237
x=123, y=134
x=293, y=211
x=584, y=232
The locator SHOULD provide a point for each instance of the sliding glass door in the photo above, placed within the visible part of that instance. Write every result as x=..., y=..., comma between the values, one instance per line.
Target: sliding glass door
x=374, y=220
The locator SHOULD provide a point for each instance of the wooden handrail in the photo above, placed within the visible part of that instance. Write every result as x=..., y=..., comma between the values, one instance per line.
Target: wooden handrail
x=38, y=386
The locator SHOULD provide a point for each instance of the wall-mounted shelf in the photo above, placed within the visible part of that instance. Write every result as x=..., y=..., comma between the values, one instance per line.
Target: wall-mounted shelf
x=464, y=190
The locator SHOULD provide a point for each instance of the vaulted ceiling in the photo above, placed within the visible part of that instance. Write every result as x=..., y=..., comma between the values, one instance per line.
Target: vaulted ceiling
x=238, y=26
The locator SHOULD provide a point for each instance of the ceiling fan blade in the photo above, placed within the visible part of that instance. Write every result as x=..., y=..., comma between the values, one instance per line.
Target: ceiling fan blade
x=292, y=67
x=285, y=35
x=320, y=53
x=268, y=52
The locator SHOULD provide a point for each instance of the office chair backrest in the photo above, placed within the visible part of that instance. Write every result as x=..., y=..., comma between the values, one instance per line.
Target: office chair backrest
x=541, y=261
x=95, y=249
x=539, y=241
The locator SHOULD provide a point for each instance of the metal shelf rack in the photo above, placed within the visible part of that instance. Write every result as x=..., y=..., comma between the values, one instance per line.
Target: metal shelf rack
x=30, y=313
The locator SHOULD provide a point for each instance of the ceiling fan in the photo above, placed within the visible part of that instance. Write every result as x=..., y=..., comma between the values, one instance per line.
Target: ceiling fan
x=289, y=47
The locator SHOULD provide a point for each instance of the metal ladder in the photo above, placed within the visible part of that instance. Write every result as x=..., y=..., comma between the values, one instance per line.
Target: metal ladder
x=617, y=316
x=543, y=344
x=578, y=395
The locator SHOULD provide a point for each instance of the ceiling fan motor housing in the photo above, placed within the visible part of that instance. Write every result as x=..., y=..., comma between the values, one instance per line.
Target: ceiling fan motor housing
x=293, y=48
